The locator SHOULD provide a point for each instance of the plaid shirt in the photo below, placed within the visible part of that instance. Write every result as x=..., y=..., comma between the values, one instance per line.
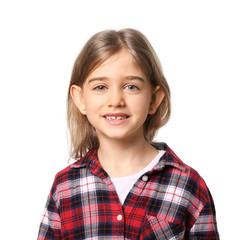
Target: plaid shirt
x=169, y=202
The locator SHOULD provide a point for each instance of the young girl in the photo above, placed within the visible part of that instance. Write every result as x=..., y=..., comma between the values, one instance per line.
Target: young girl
x=124, y=185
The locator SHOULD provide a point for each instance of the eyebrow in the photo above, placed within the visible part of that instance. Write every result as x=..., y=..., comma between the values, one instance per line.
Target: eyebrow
x=134, y=78
x=97, y=79
x=131, y=77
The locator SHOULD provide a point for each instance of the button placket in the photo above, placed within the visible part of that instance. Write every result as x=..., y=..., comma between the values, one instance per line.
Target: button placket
x=144, y=178
x=119, y=217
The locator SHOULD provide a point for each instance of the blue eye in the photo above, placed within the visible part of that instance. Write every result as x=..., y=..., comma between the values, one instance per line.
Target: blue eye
x=100, y=88
x=131, y=87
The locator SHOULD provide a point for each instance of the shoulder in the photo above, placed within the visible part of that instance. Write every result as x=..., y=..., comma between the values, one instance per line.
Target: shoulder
x=182, y=174
x=74, y=170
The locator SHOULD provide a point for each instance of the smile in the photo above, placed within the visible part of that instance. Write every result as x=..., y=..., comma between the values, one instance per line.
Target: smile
x=115, y=117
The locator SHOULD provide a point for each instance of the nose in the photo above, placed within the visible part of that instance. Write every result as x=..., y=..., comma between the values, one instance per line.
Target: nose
x=116, y=98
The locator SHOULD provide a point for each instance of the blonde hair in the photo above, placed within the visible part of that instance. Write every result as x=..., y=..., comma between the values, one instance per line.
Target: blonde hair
x=99, y=48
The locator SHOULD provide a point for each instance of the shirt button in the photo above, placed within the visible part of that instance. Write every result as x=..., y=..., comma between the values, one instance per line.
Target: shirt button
x=119, y=217
x=144, y=178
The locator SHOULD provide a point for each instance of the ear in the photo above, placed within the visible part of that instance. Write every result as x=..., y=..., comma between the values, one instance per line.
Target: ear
x=157, y=98
x=76, y=94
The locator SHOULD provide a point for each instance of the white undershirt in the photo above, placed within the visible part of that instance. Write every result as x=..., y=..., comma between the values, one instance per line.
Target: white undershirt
x=123, y=185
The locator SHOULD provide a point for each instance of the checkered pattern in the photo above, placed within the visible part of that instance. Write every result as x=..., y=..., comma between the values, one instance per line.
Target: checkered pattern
x=173, y=202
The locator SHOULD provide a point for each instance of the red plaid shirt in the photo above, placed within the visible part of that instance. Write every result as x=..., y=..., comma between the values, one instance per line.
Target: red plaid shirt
x=169, y=202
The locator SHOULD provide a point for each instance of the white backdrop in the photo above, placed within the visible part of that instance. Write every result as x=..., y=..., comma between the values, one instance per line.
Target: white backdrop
x=203, y=49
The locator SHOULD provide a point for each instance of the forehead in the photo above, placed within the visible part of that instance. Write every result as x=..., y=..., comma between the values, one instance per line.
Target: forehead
x=121, y=63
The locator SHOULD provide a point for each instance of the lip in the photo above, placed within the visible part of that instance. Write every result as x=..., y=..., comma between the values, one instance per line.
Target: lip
x=123, y=118
x=119, y=114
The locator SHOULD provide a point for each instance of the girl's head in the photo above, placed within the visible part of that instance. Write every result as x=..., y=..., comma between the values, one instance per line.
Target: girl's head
x=97, y=51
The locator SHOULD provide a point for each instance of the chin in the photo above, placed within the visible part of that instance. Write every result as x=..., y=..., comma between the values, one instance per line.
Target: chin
x=121, y=135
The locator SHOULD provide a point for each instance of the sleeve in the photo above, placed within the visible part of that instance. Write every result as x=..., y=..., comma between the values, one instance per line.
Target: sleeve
x=205, y=226
x=50, y=227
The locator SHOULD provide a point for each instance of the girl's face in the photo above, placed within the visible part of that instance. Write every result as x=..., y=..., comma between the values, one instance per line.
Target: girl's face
x=117, y=97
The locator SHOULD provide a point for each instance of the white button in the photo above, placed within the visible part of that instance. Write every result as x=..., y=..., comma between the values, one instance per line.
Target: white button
x=119, y=217
x=144, y=178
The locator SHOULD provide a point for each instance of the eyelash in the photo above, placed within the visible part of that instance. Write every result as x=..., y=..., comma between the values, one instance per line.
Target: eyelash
x=128, y=87
x=133, y=87
x=99, y=88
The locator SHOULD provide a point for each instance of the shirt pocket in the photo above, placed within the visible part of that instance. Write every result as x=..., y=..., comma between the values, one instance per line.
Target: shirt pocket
x=157, y=228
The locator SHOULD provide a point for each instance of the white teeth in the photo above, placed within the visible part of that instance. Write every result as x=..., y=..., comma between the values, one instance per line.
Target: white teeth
x=114, y=118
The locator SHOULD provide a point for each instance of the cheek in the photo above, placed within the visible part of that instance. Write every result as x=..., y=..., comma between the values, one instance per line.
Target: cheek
x=93, y=108
x=142, y=107
x=91, y=104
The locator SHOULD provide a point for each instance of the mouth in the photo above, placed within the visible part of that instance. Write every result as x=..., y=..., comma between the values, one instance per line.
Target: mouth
x=116, y=116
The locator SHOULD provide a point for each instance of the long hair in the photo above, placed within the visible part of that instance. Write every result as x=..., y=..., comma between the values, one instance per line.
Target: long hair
x=99, y=48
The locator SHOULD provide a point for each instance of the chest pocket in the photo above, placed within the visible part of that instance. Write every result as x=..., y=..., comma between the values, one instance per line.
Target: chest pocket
x=155, y=228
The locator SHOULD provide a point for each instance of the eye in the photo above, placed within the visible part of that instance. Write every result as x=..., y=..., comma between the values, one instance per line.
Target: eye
x=131, y=87
x=100, y=88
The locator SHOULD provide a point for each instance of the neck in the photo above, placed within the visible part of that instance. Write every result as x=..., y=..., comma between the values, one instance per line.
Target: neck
x=123, y=158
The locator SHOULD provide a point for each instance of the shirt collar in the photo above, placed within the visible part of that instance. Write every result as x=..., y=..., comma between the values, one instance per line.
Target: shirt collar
x=169, y=158
x=87, y=159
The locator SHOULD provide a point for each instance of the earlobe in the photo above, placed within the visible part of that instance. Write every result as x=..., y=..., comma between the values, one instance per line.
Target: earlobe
x=157, y=97
x=76, y=94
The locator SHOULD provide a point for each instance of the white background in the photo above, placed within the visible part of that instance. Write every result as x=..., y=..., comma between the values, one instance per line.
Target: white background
x=203, y=49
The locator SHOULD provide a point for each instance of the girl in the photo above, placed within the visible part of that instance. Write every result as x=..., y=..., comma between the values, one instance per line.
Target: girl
x=123, y=186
